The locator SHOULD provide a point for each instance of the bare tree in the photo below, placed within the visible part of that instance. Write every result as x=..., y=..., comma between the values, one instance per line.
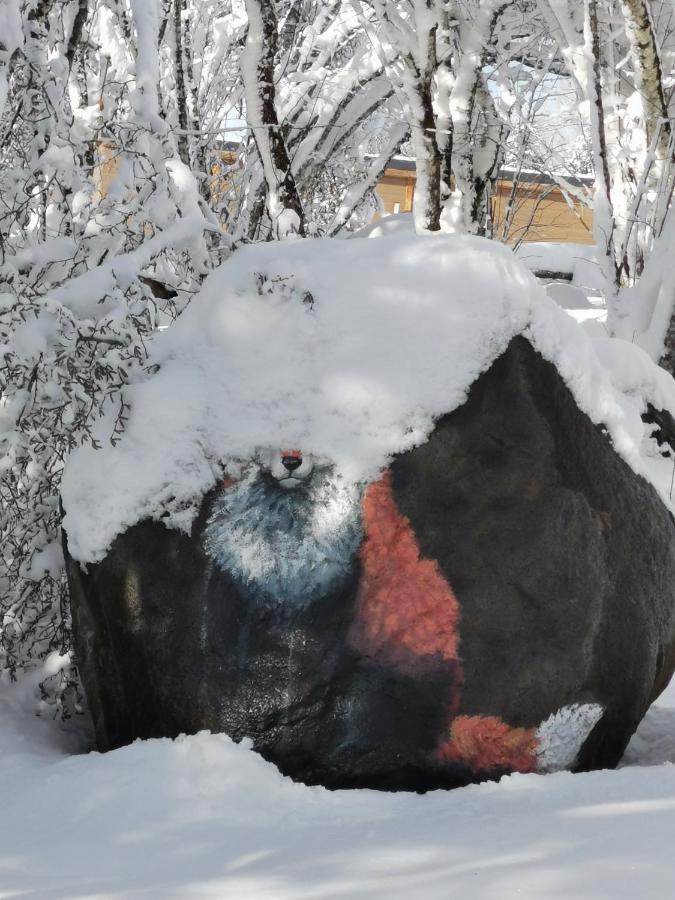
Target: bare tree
x=78, y=268
x=436, y=55
x=630, y=123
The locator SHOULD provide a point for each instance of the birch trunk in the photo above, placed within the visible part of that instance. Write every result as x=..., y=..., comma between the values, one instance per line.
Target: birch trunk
x=603, y=213
x=418, y=85
x=427, y=195
x=181, y=93
x=643, y=41
x=475, y=37
x=283, y=201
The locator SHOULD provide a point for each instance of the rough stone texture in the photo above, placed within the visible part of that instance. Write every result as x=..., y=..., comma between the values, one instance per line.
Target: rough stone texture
x=511, y=567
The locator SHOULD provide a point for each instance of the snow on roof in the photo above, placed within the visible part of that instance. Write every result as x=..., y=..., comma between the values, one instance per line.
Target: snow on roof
x=521, y=173
x=347, y=349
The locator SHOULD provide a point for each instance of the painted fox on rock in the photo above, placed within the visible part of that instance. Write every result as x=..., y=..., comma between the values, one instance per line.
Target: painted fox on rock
x=403, y=621
x=501, y=599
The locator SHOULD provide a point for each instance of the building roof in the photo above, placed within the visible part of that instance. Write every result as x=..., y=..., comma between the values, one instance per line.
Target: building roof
x=507, y=173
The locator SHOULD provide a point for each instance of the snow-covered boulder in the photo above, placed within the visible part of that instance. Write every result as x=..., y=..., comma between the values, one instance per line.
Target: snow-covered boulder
x=378, y=510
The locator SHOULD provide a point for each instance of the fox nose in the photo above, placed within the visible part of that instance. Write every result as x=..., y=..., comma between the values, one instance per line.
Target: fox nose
x=291, y=462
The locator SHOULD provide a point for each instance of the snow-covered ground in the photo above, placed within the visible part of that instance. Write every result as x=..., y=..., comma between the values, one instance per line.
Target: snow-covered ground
x=582, y=296
x=201, y=817
x=580, y=261
x=584, y=305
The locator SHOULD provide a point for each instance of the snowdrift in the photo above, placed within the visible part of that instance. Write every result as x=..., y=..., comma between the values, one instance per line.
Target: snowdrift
x=578, y=261
x=201, y=817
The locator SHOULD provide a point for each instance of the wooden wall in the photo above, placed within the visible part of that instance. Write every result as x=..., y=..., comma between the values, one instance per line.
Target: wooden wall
x=541, y=212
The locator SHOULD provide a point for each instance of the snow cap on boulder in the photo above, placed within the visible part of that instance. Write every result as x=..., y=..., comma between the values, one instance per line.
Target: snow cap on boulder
x=347, y=349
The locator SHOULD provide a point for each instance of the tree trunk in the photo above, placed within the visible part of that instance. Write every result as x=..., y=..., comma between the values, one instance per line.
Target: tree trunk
x=283, y=201
x=641, y=35
x=427, y=196
x=603, y=218
x=475, y=39
x=181, y=93
x=422, y=117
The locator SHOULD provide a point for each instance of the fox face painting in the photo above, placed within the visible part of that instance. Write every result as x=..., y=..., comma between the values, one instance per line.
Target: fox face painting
x=483, y=606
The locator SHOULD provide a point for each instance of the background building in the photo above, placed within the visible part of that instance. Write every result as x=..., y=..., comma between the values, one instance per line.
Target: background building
x=529, y=207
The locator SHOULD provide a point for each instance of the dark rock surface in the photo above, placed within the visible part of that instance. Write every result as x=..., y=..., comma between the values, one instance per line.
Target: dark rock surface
x=511, y=567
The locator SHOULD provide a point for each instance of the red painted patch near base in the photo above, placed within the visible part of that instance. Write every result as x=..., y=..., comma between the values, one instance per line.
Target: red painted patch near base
x=485, y=743
x=407, y=614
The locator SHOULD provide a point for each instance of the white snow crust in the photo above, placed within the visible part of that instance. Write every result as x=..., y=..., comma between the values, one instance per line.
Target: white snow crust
x=348, y=350
x=387, y=226
x=201, y=817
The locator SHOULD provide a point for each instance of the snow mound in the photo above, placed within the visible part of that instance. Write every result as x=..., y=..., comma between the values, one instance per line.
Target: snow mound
x=578, y=260
x=567, y=296
x=393, y=224
x=202, y=817
x=347, y=349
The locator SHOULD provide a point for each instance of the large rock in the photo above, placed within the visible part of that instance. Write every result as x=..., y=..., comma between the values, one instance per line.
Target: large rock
x=500, y=600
